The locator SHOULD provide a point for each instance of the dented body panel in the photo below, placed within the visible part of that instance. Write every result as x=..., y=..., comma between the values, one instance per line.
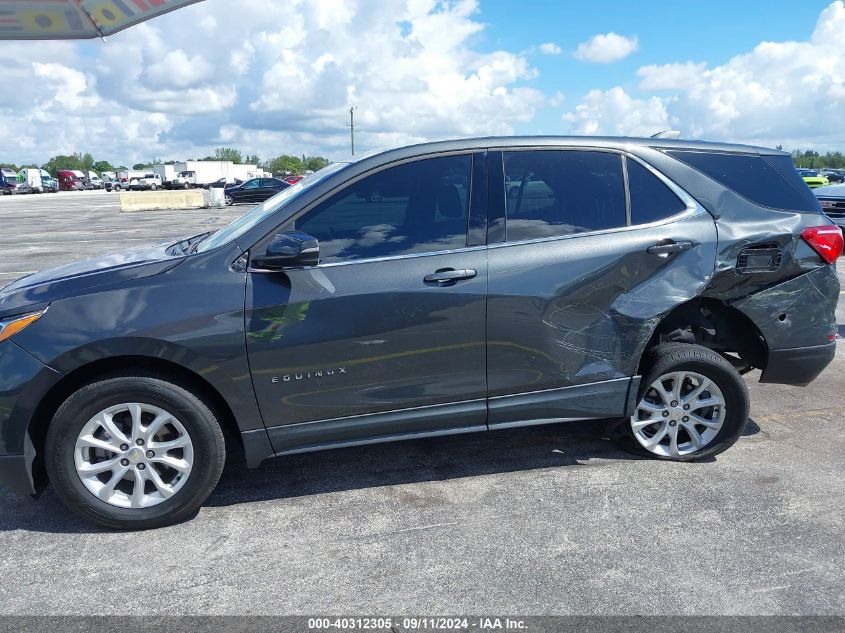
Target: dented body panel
x=547, y=329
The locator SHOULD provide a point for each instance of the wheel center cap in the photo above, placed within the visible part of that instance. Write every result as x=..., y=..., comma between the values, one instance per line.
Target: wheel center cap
x=136, y=455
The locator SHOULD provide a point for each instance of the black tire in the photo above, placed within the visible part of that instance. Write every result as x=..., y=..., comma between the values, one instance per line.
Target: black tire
x=672, y=357
x=197, y=418
x=153, y=187
x=229, y=200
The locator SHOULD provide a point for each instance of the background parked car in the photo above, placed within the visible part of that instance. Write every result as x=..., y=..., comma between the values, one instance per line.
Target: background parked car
x=832, y=199
x=813, y=178
x=255, y=190
x=833, y=175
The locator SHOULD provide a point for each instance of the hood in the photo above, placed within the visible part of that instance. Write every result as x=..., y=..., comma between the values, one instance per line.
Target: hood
x=836, y=191
x=39, y=289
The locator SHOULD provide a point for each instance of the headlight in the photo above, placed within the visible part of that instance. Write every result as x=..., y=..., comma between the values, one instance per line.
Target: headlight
x=10, y=327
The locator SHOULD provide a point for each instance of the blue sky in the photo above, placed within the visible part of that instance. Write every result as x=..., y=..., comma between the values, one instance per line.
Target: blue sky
x=278, y=76
x=668, y=30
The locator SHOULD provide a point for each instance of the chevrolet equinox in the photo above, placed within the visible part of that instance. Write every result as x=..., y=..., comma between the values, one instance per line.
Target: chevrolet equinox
x=441, y=288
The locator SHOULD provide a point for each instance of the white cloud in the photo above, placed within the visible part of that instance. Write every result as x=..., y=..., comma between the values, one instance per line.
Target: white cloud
x=677, y=76
x=273, y=77
x=606, y=48
x=550, y=48
x=616, y=113
x=790, y=93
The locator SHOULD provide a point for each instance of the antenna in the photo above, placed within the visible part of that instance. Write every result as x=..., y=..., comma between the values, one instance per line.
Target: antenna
x=667, y=134
x=351, y=127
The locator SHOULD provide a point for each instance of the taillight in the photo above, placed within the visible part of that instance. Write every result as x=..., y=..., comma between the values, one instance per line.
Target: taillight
x=826, y=241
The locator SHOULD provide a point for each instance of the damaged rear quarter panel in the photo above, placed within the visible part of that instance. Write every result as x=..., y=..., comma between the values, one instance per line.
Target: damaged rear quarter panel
x=798, y=312
x=580, y=309
x=803, y=289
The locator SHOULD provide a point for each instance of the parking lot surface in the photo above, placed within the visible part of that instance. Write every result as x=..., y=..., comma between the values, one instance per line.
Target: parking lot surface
x=536, y=521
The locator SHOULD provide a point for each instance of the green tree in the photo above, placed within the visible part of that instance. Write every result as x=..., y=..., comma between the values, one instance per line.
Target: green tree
x=284, y=164
x=87, y=162
x=315, y=163
x=228, y=153
x=252, y=159
x=63, y=161
x=103, y=165
x=11, y=166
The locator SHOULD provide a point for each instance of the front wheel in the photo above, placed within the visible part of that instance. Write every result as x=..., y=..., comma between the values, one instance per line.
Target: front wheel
x=134, y=452
x=229, y=200
x=692, y=404
x=153, y=187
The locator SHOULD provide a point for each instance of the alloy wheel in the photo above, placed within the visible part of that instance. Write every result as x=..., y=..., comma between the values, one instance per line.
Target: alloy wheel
x=133, y=455
x=679, y=414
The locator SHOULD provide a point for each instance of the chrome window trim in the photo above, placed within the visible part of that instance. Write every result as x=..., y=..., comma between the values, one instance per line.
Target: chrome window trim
x=693, y=207
x=370, y=260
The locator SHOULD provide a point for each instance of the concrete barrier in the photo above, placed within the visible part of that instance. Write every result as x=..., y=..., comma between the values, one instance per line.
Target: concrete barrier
x=160, y=200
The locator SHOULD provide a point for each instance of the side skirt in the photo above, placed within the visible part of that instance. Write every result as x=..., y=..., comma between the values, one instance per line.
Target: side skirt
x=593, y=401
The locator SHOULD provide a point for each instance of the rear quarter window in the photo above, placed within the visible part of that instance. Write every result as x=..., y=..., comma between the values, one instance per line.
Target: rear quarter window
x=770, y=181
x=651, y=199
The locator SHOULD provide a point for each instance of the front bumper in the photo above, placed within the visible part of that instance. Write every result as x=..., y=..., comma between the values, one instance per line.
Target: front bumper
x=24, y=381
x=797, y=366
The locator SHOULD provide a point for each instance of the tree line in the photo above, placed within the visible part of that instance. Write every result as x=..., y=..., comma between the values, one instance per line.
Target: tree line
x=810, y=159
x=284, y=164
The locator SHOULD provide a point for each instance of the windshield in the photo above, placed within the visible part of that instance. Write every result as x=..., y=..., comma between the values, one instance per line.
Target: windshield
x=253, y=218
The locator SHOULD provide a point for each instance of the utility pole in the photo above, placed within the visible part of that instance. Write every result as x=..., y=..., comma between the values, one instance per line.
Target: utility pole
x=352, y=127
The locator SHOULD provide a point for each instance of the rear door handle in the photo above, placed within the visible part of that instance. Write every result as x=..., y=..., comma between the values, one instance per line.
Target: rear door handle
x=669, y=246
x=449, y=276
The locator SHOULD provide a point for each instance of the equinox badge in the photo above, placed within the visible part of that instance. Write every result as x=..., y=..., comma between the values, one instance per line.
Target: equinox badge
x=309, y=374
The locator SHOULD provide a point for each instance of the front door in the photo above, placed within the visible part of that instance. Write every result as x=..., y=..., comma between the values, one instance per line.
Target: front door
x=386, y=336
x=594, y=247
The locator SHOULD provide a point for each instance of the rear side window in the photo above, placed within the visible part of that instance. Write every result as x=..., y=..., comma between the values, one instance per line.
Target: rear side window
x=554, y=193
x=762, y=179
x=651, y=199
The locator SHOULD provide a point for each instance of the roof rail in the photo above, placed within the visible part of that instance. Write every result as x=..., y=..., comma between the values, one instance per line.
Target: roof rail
x=667, y=134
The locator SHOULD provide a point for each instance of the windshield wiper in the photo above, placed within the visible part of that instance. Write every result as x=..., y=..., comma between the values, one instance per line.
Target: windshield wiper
x=194, y=242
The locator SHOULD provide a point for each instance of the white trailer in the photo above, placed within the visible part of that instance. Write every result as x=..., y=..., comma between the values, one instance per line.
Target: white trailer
x=202, y=173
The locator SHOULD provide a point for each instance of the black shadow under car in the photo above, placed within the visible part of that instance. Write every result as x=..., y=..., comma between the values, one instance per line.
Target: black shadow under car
x=435, y=289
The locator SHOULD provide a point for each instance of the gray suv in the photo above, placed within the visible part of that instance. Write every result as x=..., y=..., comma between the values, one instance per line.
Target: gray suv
x=436, y=289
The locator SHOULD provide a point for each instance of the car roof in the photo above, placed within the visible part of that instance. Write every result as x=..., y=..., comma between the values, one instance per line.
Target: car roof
x=602, y=142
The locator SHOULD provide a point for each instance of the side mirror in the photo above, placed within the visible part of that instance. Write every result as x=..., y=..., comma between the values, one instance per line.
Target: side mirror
x=291, y=249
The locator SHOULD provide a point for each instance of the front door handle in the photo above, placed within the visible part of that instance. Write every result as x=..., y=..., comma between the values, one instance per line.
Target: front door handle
x=449, y=276
x=669, y=246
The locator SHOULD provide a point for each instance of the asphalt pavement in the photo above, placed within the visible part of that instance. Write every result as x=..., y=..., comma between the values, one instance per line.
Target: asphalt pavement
x=537, y=521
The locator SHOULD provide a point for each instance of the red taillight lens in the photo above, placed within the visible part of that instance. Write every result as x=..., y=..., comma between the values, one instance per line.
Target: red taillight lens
x=826, y=241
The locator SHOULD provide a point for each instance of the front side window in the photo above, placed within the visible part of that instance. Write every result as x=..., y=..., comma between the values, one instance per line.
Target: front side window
x=252, y=184
x=418, y=207
x=555, y=193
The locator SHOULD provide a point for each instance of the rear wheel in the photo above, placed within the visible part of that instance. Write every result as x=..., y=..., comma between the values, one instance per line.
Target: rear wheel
x=692, y=404
x=134, y=452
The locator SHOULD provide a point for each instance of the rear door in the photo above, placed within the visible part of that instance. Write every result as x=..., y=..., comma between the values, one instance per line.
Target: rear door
x=588, y=250
x=386, y=336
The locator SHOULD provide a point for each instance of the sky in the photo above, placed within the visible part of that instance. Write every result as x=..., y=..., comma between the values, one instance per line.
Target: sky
x=275, y=77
